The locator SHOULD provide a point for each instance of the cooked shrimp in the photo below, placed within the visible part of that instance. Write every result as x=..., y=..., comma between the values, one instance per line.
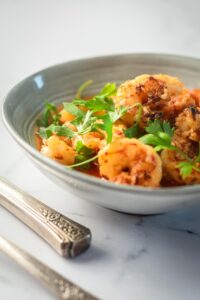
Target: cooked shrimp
x=161, y=96
x=170, y=160
x=129, y=161
x=59, y=150
x=118, y=129
x=65, y=116
x=187, y=132
x=196, y=95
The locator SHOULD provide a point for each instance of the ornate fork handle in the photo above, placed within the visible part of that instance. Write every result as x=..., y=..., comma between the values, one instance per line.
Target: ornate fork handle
x=63, y=288
x=67, y=237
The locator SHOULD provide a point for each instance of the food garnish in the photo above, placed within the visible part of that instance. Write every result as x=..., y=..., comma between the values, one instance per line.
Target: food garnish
x=143, y=111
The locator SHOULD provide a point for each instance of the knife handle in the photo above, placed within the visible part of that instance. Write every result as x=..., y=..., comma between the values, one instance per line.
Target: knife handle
x=67, y=237
x=60, y=286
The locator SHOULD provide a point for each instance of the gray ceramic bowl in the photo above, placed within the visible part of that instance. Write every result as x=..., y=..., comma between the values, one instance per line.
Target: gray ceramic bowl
x=25, y=101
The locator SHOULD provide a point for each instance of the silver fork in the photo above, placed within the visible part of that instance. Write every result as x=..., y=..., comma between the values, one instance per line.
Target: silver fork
x=60, y=286
x=67, y=237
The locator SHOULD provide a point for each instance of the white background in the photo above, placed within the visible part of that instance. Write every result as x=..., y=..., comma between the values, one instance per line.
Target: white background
x=131, y=257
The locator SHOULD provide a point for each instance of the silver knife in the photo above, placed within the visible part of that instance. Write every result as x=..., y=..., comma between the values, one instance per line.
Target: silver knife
x=67, y=237
x=60, y=286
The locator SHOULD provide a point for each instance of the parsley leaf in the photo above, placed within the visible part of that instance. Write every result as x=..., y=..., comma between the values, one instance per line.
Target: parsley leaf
x=82, y=88
x=154, y=127
x=82, y=149
x=132, y=132
x=159, y=135
x=185, y=168
x=63, y=130
x=49, y=116
x=100, y=103
x=109, y=89
x=108, y=127
x=84, y=156
x=44, y=133
x=86, y=123
x=83, y=163
x=118, y=113
x=73, y=109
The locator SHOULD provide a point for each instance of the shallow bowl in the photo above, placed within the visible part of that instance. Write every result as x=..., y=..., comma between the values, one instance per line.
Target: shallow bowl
x=59, y=83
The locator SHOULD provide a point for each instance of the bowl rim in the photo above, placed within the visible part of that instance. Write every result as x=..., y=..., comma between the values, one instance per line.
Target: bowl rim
x=59, y=169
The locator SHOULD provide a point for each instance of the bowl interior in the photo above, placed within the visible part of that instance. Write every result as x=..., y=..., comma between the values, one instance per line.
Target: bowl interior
x=59, y=83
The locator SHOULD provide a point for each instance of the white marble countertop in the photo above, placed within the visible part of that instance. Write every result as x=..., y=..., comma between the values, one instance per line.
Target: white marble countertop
x=148, y=258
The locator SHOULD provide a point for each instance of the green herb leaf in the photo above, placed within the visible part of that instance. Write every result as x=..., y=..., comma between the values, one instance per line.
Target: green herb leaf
x=118, y=113
x=50, y=115
x=108, y=127
x=44, y=133
x=82, y=88
x=96, y=104
x=149, y=139
x=80, y=102
x=73, y=109
x=109, y=89
x=154, y=127
x=185, y=168
x=81, y=164
x=63, y=130
x=100, y=103
x=83, y=153
x=168, y=129
x=132, y=132
x=82, y=149
x=159, y=135
x=86, y=124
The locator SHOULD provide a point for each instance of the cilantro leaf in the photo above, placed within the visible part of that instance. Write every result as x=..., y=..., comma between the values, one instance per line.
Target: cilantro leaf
x=83, y=153
x=132, y=132
x=80, y=102
x=50, y=115
x=86, y=123
x=108, y=127
x=63, y=130
x=109, y=89
x=118, y=113
x=73, y=109
x=82, y=149
x=154, y=127
x=44, y=133
x=159, y=135
x=100, y=103
x=185, y=168
x=83, y=163
x=82, y=88
x=150, y=139
x=168, y=129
